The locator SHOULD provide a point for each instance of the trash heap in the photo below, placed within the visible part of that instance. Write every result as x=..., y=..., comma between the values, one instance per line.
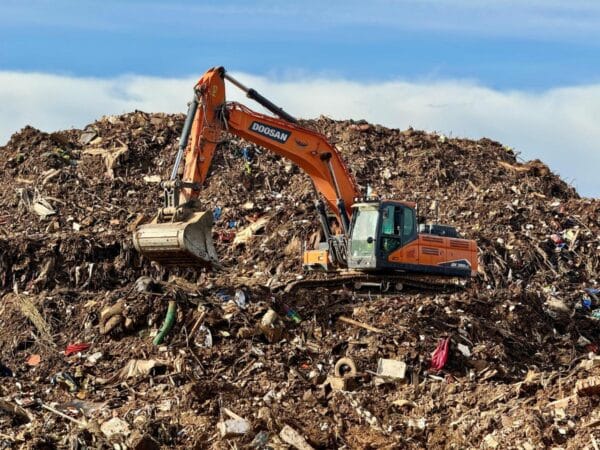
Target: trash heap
x=99, y=348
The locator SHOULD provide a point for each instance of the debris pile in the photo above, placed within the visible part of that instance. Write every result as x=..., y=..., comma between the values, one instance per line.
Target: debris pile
x=101, y=348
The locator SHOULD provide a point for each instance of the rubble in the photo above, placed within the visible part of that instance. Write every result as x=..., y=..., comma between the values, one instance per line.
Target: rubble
x=271, y=327
x=69, y=275
x=233, y=427
x=391, y=368
x=295, y=439
x=115, y=427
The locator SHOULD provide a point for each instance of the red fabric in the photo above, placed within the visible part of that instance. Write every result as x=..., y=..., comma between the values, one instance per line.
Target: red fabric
x=76, y=348
x=440, y=356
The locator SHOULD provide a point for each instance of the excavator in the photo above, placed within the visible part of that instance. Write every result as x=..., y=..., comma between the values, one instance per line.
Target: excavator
x=374, y=242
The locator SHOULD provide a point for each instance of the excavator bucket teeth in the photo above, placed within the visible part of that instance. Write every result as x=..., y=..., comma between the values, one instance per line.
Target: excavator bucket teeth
x=181, y=244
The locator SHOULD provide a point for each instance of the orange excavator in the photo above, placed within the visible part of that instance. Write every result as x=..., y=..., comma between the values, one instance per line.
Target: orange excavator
x=377, y=241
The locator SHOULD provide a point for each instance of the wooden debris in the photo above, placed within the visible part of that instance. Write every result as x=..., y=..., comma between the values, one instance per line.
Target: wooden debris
x=110, y=156
x=29, y=310
x=65, y=416
x=588, y=386
x=356, y=323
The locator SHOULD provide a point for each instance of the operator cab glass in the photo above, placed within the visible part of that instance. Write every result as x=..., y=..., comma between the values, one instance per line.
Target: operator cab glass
x=363, y=240
x=378, y=229
x=398, y=227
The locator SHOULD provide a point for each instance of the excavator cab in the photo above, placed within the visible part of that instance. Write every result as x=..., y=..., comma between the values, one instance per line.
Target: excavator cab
x=377, y=230
x=385, y=236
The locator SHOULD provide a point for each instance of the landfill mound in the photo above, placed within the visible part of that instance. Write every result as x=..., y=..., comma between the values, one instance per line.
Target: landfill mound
x=101, y=348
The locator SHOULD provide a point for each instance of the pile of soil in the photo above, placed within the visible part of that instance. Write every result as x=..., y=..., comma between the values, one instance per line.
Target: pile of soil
x=523, y=335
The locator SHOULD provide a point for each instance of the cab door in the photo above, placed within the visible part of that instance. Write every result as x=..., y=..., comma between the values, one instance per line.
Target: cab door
x=362, y=245
x=398, y=228
x=390, y=237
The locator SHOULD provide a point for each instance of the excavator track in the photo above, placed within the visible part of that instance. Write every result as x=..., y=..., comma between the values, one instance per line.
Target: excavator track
x=384, y=283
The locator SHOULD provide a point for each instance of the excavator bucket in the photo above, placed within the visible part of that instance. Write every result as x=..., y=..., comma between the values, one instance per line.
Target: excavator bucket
x=180, y=244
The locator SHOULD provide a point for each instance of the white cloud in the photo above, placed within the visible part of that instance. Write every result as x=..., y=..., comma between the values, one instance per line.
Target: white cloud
x=558, y=126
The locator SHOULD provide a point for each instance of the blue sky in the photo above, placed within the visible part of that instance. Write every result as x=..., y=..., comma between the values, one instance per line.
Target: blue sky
x=506, y=44
x=525, y=52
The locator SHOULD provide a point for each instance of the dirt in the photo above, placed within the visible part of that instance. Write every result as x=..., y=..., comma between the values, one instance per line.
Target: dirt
x=522, y=332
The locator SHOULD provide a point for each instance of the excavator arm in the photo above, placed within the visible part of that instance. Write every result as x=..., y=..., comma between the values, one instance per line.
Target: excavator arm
x=306, y=148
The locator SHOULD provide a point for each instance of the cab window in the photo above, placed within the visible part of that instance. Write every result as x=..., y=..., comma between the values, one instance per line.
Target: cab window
x=364, y=228
x=391, y=222
x=398, y=227
x=408, y=225
x=387, y=221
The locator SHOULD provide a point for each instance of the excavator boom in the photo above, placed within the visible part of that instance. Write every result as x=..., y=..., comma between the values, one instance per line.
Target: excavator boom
x=172, y=238
x=282, y=135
